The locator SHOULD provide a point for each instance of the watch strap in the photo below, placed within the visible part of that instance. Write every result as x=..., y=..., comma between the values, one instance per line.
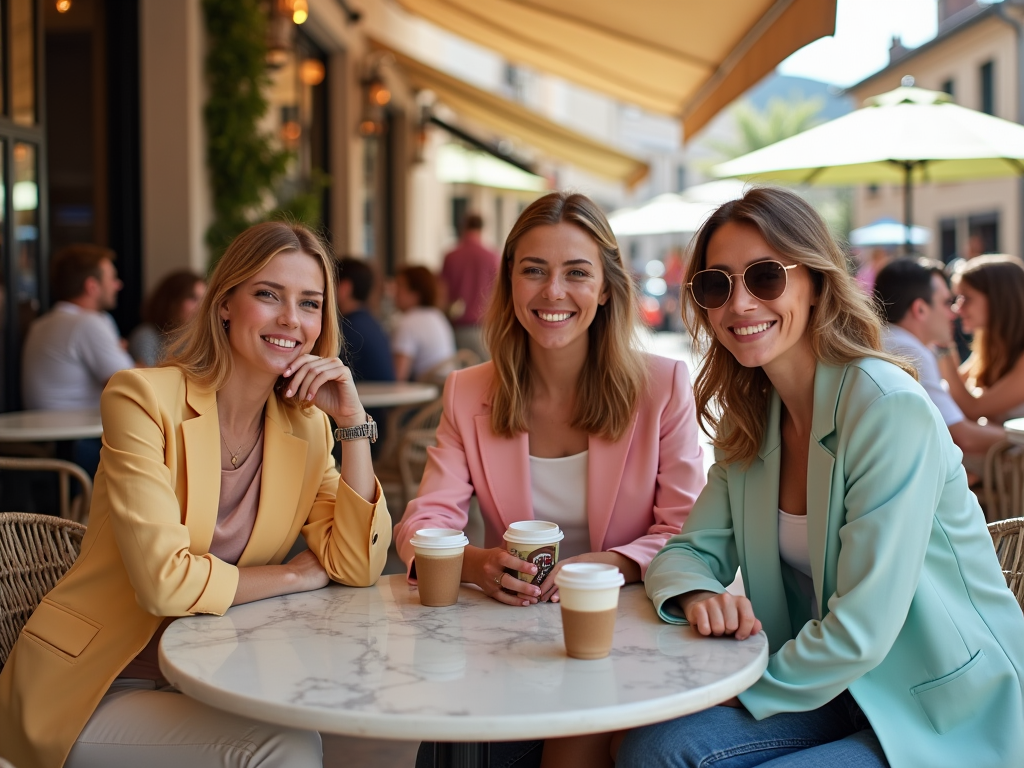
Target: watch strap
x=367, y=430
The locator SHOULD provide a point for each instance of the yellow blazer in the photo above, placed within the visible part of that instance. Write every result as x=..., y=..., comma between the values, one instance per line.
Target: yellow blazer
x=146, y=552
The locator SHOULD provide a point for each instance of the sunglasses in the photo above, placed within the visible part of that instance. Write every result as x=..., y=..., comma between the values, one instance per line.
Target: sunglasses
x=764, y=280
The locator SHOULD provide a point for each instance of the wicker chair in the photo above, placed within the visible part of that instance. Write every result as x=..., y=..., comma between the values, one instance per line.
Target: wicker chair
x=1009, y=543
x=35, y=552
x=76, y=509
x=436, y=374
x=402, y=421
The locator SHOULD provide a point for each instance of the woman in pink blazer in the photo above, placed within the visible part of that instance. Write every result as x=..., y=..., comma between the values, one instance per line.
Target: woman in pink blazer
x=569, y=422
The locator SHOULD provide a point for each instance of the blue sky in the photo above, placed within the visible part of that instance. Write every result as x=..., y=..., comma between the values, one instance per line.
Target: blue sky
x=864, y=29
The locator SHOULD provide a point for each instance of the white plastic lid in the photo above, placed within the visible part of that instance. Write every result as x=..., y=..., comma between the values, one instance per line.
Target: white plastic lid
x=439, y=538
x=589, y=576
x=533, y=532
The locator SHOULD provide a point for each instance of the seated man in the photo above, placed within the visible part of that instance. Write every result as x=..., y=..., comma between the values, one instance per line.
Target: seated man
x=918, y=307
x=73, y=350
x=367, y=350
x=365, y=347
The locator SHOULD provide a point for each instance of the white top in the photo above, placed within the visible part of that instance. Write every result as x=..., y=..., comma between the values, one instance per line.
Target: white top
x=425, y=335
x=70, y=353
x=373, y=662
x=559, y=491
x=795, y=552
x=900, y=341
x=793, y=542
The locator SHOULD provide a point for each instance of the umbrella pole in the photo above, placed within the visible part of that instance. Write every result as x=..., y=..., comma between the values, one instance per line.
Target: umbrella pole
x=908, y=203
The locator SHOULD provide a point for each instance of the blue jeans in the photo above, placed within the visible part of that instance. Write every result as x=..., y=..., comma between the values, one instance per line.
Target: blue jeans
x=837, y=735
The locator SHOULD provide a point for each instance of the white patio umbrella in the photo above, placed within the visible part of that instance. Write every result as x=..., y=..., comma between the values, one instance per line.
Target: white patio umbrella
x=889, y=232
x=671, y=212
x=904, y=136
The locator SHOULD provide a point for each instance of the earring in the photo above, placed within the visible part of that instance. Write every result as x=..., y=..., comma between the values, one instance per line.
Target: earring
x=226, y=325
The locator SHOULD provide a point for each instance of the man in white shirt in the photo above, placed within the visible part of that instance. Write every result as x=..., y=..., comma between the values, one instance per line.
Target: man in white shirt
x=73, y=350
x=918, y=307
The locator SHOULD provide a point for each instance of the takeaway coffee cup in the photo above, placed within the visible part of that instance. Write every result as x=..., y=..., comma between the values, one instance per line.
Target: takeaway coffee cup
x=589, y=596
x=534, y=541
x=439, y=564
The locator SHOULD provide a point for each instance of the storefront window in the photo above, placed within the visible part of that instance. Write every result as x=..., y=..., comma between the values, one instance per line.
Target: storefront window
x=297, y=116
x=23, y=56
x=25, y=200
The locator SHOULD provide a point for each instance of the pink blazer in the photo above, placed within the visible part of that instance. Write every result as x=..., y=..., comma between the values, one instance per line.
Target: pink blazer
x=639, y=489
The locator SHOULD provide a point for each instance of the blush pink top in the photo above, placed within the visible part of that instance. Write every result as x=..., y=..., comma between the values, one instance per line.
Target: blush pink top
x=236, y=516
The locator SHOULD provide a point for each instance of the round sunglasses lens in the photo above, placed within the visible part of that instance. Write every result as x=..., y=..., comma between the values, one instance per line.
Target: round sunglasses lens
x=711, y=288
x=766, y=280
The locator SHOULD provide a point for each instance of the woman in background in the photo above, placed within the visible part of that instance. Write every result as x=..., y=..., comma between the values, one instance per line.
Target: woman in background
x=422, y=337
x=171, y=304
x=989, y=383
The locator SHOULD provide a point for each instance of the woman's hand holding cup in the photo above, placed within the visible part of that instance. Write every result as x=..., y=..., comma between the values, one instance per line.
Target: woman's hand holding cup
x=487, y=569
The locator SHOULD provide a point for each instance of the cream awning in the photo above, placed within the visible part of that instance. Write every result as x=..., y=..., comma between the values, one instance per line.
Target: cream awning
x=688, y=58
x=519, y=123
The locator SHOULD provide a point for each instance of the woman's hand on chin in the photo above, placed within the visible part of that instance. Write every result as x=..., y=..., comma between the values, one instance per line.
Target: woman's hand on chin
x=724, y=614
x=328, y=383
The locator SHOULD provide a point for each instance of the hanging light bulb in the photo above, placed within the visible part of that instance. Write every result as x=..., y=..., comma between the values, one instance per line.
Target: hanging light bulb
x=300, y=11
x=63, y=6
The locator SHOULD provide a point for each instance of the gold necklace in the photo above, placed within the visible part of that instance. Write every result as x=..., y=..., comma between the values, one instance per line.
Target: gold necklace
x=236, y=454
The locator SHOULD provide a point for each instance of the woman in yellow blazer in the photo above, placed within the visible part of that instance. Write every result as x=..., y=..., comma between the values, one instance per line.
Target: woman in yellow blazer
x=839, y=492
x=236, y=396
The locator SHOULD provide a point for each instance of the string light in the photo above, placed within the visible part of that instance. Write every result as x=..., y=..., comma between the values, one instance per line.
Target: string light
x=63, y=6
x=300, y=11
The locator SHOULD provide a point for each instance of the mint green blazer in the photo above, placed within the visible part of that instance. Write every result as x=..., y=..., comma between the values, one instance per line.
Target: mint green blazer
x=917, y=621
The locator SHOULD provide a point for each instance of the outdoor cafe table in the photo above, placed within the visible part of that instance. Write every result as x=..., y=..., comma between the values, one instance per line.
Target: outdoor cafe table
x=1014, y=431
x=385, y=394
x=375, y=663
x=46, y=426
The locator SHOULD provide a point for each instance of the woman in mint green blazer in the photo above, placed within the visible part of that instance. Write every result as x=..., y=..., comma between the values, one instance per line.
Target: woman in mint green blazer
x=838, y=491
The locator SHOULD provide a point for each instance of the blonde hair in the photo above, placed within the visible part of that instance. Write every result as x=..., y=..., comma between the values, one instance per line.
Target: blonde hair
x=201, y=349
x=996, y=347
x=614, y=374
x=843, y=323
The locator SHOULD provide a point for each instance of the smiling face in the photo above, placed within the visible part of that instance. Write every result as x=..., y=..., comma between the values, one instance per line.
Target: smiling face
x=759, y=333
x=557, y=285
x=972, y=306
x=276, y=314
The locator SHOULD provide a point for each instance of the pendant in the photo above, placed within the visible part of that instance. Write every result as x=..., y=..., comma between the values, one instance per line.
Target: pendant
x=234, y=461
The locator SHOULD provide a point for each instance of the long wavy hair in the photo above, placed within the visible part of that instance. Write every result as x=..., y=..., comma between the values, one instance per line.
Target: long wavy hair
x=998, y=346
x=615, y=372
x=201, y=349
x=732, y=401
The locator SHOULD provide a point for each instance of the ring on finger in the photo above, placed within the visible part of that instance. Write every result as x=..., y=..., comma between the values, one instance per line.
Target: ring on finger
x=497, y=579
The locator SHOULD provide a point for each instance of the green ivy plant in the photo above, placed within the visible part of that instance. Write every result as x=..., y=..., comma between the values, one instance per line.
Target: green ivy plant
x=244, y=164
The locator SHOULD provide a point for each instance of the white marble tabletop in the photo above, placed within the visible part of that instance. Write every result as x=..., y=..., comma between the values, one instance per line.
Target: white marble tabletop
x=374, y=662
x=34, y=426
x=1014, y=430
x=384, y=394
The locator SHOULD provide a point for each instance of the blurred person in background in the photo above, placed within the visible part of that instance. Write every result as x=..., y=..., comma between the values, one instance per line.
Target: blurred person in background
x=73, y=350
x=918, y=309
x=468, y=276
x=171, y=304
x=422, y=337
x=990, y=382
x=366, y=349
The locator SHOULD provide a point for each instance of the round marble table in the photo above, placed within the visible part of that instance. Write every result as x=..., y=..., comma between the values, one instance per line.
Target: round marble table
x=374, y=662
x=44, y=426
x=385, y=394
x=1014, y=430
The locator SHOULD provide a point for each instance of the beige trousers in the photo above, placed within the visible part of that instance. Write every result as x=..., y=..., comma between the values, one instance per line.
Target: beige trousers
x=138, y=724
